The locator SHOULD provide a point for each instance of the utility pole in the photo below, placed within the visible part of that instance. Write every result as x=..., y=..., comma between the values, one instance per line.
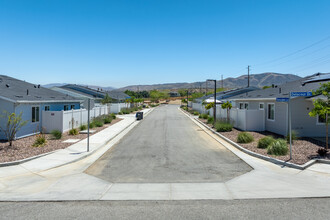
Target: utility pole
x=248, y=76
x=205, y=87
x=221, y=81
x=187, y=98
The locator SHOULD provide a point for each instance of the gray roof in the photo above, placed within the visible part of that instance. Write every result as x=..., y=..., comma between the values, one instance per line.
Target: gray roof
x=227, y=94
x=96, y=93
x=284, y=90
x=72, y=92
x=15, y=90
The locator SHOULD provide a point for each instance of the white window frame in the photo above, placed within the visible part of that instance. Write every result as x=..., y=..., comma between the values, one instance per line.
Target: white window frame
x=67, y=109
x=243, y=103
x=36, y=117
x=263, y=105
x=318, y=122
x=268, y=111
x=48, y=108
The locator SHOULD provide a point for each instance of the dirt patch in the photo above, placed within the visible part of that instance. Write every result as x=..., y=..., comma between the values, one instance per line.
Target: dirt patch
x=22, y=148
x=303, y=149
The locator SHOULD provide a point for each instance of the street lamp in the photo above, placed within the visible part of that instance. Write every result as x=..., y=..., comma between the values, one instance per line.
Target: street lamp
x=215, y=96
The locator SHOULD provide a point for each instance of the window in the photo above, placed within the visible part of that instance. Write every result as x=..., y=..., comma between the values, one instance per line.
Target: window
x=261, y=106
x=66, y=107
x=243, y=105
x=321, y=119
x=72, y=106
x=35, y=114
x=271, y=112
x=47, y=108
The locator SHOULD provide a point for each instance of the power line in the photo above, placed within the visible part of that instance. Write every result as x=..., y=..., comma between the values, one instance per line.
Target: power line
x=293, y=53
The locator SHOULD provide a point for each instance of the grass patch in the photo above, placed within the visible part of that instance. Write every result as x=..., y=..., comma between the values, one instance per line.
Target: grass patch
x=244, y=138
x=57, y=134
x=279, y=148
x=221, y=126
x=73, y=131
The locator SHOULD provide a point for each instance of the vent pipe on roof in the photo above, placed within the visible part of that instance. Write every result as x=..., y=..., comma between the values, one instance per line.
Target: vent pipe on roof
x=280, y=90
x=39, y=86
x=27, y=92
x=7, y=85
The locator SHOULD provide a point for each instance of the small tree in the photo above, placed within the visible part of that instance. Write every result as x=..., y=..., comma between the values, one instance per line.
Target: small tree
x=106, y=99
x=227, y=105
x=209, y=105
x=322, y=107
x=13, y=125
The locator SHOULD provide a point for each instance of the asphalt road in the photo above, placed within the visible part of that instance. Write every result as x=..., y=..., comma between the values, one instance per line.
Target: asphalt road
x=167, y=147
x=206, y=209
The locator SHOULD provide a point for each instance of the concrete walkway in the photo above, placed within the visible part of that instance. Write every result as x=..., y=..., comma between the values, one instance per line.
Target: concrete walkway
x=45, y=179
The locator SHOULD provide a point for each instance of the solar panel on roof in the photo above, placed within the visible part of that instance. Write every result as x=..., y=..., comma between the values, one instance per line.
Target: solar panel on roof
x=317, y=78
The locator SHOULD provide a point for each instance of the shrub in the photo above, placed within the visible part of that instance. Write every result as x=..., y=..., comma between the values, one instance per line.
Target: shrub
x=244, y=137
x=91, y=125
x=322, y=152
x=40, y=141
x=196, y=113
x=56, y=134
x=279, y=147
x=223, y=126
x=98, y=123
x=152, y=105
x=294, y=136
x=107, y=119
x=113, y=115
x=205, y=116
x=120, y=113
x=210, y=120
x=83, y=127
x=73, y=131
x=265, y=142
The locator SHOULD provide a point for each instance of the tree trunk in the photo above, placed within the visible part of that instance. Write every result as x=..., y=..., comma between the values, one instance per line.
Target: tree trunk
x=10, y=143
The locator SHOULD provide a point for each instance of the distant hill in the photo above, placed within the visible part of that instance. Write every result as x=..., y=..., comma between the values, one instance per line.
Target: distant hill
x=257, y=80
x=108, y=88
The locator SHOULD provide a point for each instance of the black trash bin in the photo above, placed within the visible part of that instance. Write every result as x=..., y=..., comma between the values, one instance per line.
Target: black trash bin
x=139, y=115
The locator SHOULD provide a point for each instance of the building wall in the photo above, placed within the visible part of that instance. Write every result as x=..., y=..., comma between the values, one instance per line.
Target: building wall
x=4, y=106
x=305, y=125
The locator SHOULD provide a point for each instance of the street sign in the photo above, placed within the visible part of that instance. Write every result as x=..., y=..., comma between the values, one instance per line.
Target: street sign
x=282, y=99
x=297, y=94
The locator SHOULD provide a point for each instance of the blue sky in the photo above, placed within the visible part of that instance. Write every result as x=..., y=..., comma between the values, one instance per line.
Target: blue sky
x=118, y=43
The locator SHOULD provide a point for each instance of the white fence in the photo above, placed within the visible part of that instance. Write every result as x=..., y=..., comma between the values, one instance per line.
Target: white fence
x=246, y=120
x=65, y=120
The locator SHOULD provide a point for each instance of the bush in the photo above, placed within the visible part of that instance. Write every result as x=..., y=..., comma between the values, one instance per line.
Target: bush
x=196, y=113
x=223, y=126
x=210, y=120
x=120, y=113
x=98, y=123
x=113, y=115
x=83, y=127
x=107, y=119
x=244, y=137
x=279, y=148
x=91, y=125
x=322, y=152
x=40, y=141
x=265, y=142
x=205, y=116
x=56, y=134
x=73, y=131
x=294, y=136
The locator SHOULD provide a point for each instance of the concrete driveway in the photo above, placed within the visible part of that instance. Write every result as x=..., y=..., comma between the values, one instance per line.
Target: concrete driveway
x=167, y=147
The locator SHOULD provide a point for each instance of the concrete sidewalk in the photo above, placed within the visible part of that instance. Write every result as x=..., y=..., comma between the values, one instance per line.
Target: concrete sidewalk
x=38, y=182
x=73, y=153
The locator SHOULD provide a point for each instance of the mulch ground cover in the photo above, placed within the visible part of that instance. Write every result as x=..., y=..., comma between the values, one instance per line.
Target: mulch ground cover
x=22, y=148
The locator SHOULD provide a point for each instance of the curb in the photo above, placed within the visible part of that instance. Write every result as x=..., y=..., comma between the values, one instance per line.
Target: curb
x=251, y=153
x=17, y=162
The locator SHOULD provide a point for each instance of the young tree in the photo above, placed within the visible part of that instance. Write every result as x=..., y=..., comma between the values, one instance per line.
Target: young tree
x=227, y=105
x=106, y=99
x=13, y=125
x=322, y=106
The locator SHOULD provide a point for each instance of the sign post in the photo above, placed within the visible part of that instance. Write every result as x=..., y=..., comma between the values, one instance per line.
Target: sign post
x=89, y=105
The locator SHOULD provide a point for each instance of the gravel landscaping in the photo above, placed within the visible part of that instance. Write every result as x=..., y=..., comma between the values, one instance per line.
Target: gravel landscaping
x=22, y=148
x=303, y=149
